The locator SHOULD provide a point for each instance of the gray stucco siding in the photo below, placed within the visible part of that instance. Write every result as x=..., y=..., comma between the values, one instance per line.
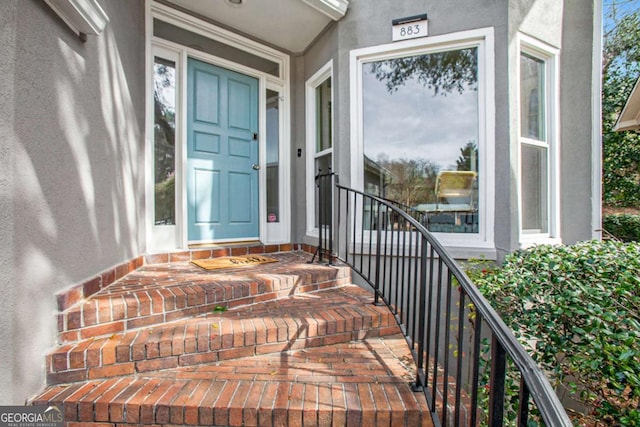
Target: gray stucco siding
x=75, y=185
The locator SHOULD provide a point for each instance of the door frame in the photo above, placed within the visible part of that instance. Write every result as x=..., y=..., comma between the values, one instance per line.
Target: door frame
x=163, y=238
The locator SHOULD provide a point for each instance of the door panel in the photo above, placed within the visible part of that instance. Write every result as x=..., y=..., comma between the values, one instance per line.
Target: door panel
x=207, y=97
x=239, y=185
x=206, y=143
x=222, y=186
x=239, y=103
x=206, y=186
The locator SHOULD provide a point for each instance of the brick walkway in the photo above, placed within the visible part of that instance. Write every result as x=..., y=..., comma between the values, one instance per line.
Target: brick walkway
x=280, y=344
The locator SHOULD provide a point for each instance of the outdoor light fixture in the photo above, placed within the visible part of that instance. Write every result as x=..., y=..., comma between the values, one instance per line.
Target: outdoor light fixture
x=235, y=2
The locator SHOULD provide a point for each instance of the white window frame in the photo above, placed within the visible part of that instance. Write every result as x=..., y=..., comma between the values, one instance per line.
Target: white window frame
x=319, y=77
x=462, y=245
x=550, y=57
x=164, y=237
x=159, y=239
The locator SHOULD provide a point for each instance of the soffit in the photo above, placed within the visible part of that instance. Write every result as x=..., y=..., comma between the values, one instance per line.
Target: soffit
x=630, y=117
x=288, y=24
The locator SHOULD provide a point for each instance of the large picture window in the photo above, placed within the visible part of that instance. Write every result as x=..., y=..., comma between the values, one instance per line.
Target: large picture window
x=422, y=132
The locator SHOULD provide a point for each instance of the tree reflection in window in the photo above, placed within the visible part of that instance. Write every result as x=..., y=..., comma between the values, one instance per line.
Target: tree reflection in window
x=420, y=126
x=164, y=101
x=443, y=72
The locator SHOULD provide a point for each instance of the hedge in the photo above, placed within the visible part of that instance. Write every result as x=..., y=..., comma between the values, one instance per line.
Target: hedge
x=577, y=311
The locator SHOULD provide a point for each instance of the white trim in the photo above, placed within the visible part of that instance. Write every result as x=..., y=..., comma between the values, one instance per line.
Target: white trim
x=596, y=124
x=280, y=232
x=82, y=16
x=482, y=39
x=334, y=9
x=550, y=56
x=325, y=72
x=203, y=28
x=163, y=237
x=164, y=13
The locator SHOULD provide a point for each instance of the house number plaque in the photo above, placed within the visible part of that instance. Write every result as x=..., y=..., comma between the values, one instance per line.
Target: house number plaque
x=411, y=27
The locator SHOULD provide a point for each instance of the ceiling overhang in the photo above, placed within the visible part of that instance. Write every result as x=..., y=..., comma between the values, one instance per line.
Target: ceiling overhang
x=630, y=117
x=290, y=25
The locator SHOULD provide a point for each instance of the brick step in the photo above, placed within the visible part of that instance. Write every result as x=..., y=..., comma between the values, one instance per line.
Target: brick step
x=160, y=293
x=354, y=383
x=299, y=321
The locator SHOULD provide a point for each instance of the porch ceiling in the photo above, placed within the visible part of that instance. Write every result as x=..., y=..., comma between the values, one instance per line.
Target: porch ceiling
x=288, y=24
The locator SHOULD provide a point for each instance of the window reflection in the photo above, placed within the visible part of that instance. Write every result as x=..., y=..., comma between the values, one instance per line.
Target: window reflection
x=164, y=100
x=532, y=98
x=324, y=143
x=324, y=138
x=534, y=189
x=420, y=120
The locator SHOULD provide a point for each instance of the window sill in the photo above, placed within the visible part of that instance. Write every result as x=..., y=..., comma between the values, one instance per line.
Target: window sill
x=528, y=241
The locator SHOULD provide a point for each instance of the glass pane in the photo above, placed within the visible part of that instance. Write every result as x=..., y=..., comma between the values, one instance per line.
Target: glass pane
x=534, y=189
x=323, y=166
x=420, y=120
x=273, y=156
x=164, y=100
x=532, y=99
x=323, y=116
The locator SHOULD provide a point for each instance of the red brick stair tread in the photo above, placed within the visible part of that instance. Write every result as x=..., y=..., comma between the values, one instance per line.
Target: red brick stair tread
x=355, y=383
x=306, y=320
x=166, y=292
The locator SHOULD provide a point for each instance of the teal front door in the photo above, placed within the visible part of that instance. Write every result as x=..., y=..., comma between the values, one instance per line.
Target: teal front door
x=222, y=154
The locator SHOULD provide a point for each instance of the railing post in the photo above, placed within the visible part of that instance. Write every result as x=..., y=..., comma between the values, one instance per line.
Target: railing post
x=523, y=410
x=418, y=386
x=331, y=215
x=496, y=384
x=325, y=225
x=378, y=252
x=477, y=332
x=320, y=215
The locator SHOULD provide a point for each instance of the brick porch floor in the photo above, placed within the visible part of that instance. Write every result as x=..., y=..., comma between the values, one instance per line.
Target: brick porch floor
x=296, y=345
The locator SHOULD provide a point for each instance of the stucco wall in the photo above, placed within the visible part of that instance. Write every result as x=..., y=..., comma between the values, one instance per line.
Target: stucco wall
x=72, y=118
x=579, y=221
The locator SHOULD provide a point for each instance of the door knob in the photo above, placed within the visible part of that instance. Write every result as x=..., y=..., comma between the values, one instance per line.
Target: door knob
x=255, y=166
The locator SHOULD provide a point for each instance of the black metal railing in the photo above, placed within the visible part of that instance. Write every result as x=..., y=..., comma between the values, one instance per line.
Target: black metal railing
x=470, y=366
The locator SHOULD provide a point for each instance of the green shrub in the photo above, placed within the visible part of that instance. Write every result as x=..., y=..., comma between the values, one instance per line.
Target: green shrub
x=623, y=226
x=577, y=311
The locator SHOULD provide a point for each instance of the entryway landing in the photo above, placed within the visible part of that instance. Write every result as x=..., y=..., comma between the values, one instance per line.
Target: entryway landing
x=282, y=343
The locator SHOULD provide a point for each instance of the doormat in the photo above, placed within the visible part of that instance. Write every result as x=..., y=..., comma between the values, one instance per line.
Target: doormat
x=233, y=261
